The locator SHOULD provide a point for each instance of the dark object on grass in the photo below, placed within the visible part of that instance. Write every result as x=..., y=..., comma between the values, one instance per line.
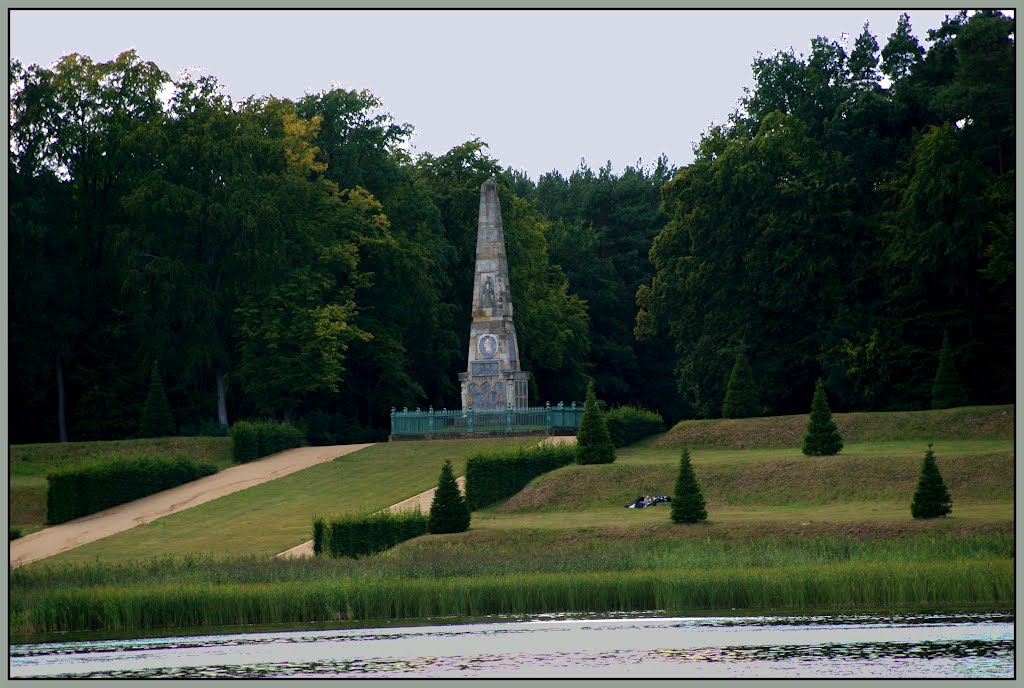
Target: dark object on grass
x=822, y=438
x=642, y=502
x=688, y=502
x=593, y=441
x=157, y=419
x=448, y=512
x=931, y=499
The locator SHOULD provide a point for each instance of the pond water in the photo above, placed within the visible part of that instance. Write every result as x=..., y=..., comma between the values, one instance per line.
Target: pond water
x=866, y=646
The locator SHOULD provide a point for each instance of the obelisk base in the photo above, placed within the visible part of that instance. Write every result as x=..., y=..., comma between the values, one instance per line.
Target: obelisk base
x=492, y=390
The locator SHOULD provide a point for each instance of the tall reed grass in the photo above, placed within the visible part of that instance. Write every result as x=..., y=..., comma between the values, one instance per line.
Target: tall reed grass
x=521, y=553
x=841, y=587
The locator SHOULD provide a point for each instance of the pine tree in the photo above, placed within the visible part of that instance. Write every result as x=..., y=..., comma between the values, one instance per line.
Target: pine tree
x=741, y=392
x=931, y=498
x=687, y=502
x=449, y=512
x=822, y=438
x=947, y=391
x=157, y=419
x=593, y=441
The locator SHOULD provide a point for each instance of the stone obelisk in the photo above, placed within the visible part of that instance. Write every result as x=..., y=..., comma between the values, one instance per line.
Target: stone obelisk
x=493, y=379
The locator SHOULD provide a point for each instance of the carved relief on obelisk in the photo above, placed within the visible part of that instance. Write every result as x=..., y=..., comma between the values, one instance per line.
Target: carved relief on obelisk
x=493, y=379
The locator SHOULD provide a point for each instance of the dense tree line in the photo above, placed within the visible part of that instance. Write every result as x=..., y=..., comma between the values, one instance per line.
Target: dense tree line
x=286, y=258
x=855, y=208
x=273, y=258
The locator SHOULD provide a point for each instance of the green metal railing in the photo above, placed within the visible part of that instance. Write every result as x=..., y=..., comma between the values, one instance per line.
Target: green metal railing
x=444, y=422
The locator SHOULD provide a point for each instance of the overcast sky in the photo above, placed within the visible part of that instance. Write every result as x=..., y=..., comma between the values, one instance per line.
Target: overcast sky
x=544, y=89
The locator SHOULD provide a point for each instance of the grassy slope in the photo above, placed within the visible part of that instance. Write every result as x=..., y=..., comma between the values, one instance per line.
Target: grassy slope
x=777, y=520
x=29, y=464
x=270, y=518
x=966, y=423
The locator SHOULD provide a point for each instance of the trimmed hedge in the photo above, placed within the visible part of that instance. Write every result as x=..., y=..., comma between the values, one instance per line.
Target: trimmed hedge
x=627, y=424
x=358, y=535
x=319, y=532
x=85, y=489
x=253, y=439
x=493, y=476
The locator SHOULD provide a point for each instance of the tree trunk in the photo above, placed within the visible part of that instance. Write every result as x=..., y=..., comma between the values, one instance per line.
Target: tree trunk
x=61, y=423
x=222, y=406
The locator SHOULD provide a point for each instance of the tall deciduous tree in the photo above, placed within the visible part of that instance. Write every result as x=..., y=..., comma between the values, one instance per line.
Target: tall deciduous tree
x=902, y=51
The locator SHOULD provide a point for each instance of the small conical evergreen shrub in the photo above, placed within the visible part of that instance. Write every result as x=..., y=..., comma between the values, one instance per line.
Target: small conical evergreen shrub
x=822, y=438
x=687, y=502
x=448, y=512
x=947, y=391
x=157, y=420
x=741, y=392
x=593, y=441
x=931, y=498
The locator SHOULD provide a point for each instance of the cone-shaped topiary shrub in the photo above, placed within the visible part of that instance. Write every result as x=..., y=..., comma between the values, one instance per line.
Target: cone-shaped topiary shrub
x=157, y=420
x=822, y=438
x=593, y=441
x=687, y=502
x=931, y=498
x=449, y=512
x=947, y=391
x=741, y=392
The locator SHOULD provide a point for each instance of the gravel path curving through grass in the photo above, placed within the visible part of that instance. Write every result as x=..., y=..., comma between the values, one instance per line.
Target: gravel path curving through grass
x=80, y=531
x=423, y=500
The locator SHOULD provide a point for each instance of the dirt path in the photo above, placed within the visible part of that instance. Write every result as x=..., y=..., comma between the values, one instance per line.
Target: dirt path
x=65, y=536
x=423, y=500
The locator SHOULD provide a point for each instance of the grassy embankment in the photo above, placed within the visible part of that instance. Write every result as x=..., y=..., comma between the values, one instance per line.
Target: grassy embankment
x=266, y=519
x=785, y=532
x=29, y=464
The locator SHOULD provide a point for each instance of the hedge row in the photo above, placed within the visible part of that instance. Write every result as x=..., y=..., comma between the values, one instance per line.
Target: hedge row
x=357, y=535
x=493, y=476
x=252, y=439
x=87, y=488
x=627, y=424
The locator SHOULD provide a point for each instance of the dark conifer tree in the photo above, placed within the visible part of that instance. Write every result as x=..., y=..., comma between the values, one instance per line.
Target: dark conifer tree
x=157, y=419
x=449, y=512
x=741, y=392
x=947, y=391
x=822, y=438
x=593, y=441
x=687, y=502
x=931, y=499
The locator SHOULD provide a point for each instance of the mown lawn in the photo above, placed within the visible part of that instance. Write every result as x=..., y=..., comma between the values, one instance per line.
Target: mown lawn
x=30, y=463
x=270, y=518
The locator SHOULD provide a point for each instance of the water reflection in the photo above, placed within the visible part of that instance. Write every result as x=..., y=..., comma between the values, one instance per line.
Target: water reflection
x=923, y=645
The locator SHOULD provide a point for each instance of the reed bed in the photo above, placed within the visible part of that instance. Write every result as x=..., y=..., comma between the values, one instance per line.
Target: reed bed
x=529, y=551
x=841, y=587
